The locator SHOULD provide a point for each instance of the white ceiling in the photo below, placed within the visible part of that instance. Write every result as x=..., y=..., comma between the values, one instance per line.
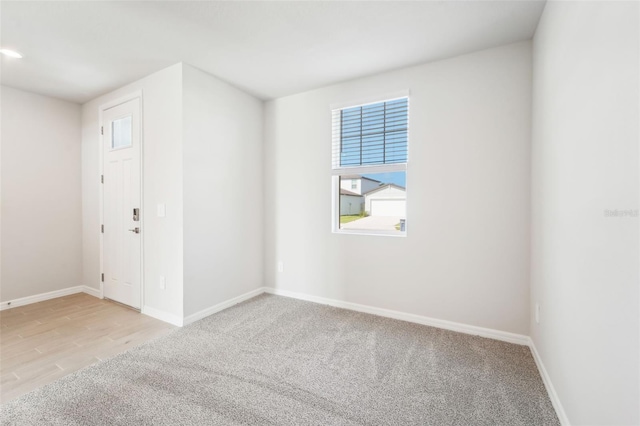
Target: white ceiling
x=79, y=50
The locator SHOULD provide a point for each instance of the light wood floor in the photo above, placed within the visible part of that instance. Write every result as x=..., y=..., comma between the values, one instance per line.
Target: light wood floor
x=42, y=342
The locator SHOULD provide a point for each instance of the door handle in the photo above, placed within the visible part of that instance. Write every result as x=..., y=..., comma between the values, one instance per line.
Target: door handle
x=135, y=230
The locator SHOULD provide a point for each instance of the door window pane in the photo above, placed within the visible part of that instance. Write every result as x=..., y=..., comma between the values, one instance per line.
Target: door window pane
x=121, y=133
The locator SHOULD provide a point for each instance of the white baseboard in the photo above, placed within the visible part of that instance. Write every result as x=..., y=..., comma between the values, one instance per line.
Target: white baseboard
x=504, y=336
x=162, y=315
x=176, y=320
x=223, y=305
x=40, y=297
x=92, y=291
x=553, y=396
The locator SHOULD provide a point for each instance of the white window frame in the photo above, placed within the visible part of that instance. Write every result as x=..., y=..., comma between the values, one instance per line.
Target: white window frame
x=361, y=170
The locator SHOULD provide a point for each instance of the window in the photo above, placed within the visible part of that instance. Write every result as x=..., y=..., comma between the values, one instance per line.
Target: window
x=369, y=162
x=121, y=133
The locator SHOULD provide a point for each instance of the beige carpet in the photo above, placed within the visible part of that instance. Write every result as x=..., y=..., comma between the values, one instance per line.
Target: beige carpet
x=279, y=361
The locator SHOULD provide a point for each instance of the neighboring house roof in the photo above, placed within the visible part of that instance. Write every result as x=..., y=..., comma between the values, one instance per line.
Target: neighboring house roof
x=389, y=185
x=358, y=177
x=345, y=192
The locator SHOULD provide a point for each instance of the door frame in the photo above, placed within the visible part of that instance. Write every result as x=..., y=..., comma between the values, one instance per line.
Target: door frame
x=121, y=100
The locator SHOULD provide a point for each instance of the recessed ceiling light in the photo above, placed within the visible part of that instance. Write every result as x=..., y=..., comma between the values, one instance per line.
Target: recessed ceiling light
x=10, y=53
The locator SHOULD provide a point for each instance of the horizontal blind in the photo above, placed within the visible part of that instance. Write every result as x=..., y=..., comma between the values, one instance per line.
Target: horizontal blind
x=371, y=134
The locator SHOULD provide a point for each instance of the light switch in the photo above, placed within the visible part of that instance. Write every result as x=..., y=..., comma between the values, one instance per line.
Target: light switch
x=161, y=210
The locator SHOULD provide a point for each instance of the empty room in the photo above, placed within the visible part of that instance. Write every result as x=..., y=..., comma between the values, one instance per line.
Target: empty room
x=320, y=212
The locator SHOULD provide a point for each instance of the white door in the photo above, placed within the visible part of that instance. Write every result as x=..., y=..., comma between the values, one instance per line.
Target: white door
x=121, y=203
x=389, y=208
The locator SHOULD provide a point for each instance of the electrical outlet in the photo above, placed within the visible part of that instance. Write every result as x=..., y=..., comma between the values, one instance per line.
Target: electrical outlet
x=280, y=266
x=163, y=283
x=537, y=313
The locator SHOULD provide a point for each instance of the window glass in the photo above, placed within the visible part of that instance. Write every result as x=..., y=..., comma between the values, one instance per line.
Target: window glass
x=382, y=206
x=121, y=135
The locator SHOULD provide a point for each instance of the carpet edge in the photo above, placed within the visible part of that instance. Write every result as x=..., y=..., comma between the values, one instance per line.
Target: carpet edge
x=505, y=336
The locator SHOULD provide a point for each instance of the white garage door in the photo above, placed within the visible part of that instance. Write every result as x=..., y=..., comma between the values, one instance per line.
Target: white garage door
x=389, y=208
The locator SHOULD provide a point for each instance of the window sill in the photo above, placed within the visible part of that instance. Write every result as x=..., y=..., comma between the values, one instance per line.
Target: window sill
x=370, y=233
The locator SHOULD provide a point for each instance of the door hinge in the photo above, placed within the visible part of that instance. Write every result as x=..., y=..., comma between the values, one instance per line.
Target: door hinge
x=101, y=130
x=102, y=229
x=102, y=277
x=101, y=178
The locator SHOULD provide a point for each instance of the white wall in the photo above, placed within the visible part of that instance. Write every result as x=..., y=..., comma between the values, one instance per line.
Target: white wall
x=466, y=257
x=585, y=161
x=163, y=183
x=223, y=194
x=41, y=204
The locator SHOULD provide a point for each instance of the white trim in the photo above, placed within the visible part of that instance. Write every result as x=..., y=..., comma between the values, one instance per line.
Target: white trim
x=371, y=232
x=40, y=297
x=92, y=291
x=121, y=100
x=364, y=170
x=162, y=315
x=553, y=395
x=504, y=336
x=222, y=305
x=335, y=203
